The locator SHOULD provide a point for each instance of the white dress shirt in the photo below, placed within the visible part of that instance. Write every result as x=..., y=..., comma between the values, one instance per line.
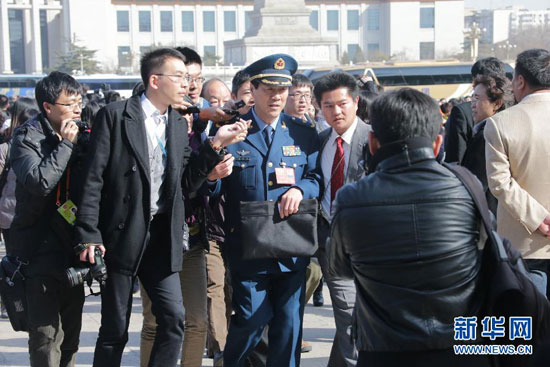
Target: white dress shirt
x=154, y=124
x=327, y=158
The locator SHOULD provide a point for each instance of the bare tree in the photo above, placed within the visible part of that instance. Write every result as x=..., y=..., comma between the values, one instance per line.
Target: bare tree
x=531, y=37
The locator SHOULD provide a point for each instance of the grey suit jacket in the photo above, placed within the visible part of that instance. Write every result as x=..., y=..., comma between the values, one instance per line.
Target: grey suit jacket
x=357, y=156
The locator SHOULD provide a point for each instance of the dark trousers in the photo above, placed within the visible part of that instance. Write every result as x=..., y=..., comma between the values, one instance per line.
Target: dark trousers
x=541, y=356
x=55, y=318
x=163, y=287
x=342, y=295
x=544, y=266
x=5, y=234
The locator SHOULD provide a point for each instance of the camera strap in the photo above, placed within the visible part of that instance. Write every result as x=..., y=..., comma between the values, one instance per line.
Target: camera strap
x=10, y=279
x=67, y=183
x=92, y=293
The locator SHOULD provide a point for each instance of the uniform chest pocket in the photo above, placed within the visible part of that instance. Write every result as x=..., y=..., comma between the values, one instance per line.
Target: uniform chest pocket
x=297, y=162
x=246, y=169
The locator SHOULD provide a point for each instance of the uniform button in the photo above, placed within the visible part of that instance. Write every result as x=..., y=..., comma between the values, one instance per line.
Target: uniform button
x=242, y=165
x=294, y=165
x=121, y=226
x=269, y=164
x=134, y=168
x=270, y=183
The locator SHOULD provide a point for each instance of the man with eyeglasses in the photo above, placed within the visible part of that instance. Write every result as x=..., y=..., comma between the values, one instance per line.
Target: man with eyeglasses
x=138, y=168
x=215, y=268
x=298, y=103
x=193, y=62
x=208, y=113
x=45, y=159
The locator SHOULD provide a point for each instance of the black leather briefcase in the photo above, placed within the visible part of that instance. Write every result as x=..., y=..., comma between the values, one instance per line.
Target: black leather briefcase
x=265, y=235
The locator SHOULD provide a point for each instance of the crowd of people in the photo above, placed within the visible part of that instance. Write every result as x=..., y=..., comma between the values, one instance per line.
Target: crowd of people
x=154, y=189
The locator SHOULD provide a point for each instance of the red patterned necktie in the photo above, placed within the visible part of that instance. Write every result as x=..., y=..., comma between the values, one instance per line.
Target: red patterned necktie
x=337, y=172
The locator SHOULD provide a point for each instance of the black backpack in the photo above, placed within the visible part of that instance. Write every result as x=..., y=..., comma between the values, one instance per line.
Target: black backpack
x=506, y=287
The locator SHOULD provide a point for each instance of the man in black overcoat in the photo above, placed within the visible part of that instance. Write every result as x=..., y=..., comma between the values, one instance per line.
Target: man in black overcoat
x=459, y=129
x=132, y=206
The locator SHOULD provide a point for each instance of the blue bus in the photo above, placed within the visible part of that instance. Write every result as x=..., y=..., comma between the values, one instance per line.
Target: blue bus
x=23, y=85
x=439, y=79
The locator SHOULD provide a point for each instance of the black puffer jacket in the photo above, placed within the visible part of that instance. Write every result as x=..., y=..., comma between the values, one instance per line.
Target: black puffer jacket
x=408, y=234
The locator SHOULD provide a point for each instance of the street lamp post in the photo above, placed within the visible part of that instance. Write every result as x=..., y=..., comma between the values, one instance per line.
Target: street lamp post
x=474, y=34
x=507, y=46
x=81, y=64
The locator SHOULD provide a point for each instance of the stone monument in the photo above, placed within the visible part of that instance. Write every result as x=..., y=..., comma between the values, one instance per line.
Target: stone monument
x=282, y=26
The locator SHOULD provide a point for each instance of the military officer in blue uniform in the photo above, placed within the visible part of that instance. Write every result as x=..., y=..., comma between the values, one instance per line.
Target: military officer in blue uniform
x=277, y=161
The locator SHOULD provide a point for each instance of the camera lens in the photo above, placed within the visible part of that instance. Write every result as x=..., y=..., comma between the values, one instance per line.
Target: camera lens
x=76, y=276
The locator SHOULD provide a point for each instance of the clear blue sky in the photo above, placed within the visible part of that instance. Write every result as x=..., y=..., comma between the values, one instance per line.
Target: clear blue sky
x=493, y=4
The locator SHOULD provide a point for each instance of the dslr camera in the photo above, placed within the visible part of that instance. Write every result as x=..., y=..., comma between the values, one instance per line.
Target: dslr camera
x=83, y=126
x=88, y=272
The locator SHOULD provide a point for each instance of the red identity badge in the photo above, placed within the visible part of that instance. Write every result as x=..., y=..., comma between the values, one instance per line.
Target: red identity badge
x=285, y=176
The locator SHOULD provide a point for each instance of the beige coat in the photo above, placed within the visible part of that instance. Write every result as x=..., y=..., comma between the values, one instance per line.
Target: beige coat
x=517, y=153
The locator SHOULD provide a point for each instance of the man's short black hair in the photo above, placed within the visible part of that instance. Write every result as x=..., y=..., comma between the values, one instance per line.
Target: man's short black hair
x=138, y=89
x=488, y=66
x=49, y=89
x=4, y=100
x=404, y=114
x=534, y=66
x=152, y=61
x=335, y=81
x=300, y=81
x=239, y=79
x=191, y=56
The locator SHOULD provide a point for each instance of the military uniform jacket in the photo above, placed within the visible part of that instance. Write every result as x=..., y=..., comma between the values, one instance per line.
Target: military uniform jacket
x=295, y=144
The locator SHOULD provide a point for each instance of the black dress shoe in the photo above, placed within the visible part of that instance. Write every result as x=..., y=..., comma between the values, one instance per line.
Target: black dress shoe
x=318, y=300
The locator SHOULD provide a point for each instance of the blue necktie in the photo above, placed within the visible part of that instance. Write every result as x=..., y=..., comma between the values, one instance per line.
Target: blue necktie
x=268, y=133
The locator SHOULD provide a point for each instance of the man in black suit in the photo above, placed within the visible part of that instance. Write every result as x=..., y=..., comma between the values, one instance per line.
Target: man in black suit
x=132, y=203
x=459, y=127
x=342, y=158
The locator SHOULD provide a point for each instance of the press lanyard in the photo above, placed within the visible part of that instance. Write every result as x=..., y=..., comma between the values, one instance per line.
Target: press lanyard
x=68, y=181
x=161, y=146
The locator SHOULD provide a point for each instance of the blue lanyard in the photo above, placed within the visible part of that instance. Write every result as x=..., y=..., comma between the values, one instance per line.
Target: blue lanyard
x=161, y=146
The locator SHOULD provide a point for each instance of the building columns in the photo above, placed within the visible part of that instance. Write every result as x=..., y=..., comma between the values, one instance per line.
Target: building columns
x=36, y=41
x=5, y=58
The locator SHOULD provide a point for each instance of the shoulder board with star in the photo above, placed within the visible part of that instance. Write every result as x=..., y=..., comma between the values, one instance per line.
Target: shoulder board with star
x=302, y=122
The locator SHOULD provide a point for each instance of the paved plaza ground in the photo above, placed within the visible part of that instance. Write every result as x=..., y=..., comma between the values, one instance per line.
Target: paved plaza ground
x=318, y=330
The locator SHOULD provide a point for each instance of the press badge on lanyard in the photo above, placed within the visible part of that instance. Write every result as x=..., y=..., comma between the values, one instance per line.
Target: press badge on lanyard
x=161, y=146
x=68, y=208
